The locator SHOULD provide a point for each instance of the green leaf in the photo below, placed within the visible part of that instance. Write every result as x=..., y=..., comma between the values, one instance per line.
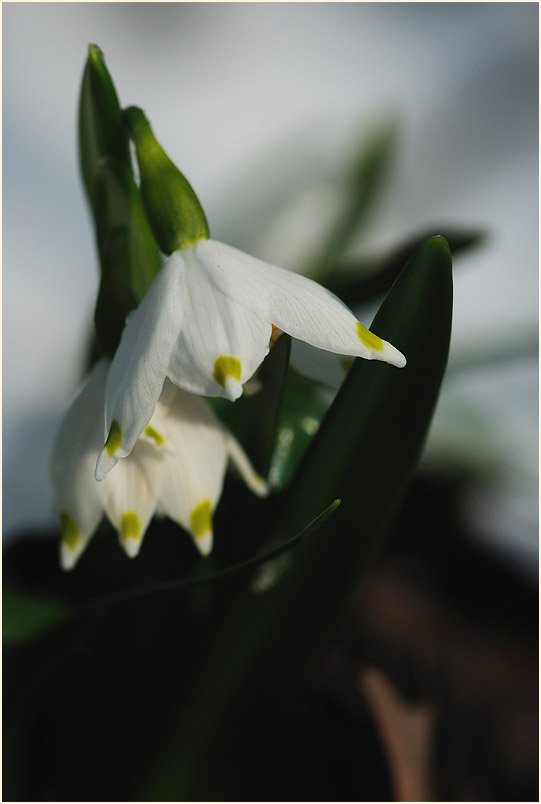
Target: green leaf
x=301, y=413
x=370, y=278
x=255, y=418
x=25, y=616
x=365, y=453
x=101, y=128
x=129, y=256
x=370, y=440
x=261, y=426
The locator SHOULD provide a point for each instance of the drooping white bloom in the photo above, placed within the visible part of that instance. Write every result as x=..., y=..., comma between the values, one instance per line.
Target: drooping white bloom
x=176, y=468
x=206, y=324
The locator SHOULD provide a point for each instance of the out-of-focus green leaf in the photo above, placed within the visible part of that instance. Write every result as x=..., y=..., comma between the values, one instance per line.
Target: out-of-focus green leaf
x=364, y=452
x=277, y=423
x=260, y=435
x=301, y=413
x=254, y=418
x=129, y=256
x=101, y=129
x=370, y=278
x=360, y=193
x=24, y=616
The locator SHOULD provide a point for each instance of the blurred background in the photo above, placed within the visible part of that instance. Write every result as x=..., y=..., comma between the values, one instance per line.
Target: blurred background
x=265, y=108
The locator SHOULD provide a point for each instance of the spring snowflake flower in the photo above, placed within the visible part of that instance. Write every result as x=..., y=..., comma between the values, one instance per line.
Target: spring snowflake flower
x=176, y=468
x=206, y=323
x=208, y=318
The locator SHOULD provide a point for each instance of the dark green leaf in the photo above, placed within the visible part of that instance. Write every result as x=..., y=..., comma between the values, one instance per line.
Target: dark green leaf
x=254, y=418
x=260, y=434
x=129, y=256
x=101, y=128
x=372, y=436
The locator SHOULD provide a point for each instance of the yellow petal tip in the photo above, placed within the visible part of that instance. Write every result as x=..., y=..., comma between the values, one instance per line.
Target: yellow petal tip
x=226, y=367
x=130, y=532
x=368, y=338
x=201, y=526
x=114, y=439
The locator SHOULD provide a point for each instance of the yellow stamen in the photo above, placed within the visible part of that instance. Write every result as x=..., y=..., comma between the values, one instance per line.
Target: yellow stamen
x=275, y=334
x=157, y=437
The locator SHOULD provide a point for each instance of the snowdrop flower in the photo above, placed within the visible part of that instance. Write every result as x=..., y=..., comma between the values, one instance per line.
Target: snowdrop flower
x=208, y=318
x=176, y=468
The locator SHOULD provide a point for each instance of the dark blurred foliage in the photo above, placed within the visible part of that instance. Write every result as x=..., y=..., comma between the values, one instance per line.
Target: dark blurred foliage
x=446, y=623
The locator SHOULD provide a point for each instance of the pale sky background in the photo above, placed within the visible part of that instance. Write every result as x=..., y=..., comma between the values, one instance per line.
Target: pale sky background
x=262, y=101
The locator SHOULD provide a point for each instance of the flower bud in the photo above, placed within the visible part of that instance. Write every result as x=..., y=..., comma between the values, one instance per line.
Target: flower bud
x=174, y=212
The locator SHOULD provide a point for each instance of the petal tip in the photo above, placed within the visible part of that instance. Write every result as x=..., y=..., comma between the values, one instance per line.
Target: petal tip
x=233, y=388
x=104, y=464
x=71, y=543
x=260, y=486
x=395, y=358
x=204, y=543
x=68, y=556
x=131, y=533
x=201, y=526
x=131, y=546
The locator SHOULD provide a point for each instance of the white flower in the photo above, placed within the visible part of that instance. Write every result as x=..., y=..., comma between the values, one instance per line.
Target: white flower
x=206, y=323
x=176, y=468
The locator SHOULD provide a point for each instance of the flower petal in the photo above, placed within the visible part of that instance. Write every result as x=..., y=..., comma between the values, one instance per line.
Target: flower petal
x=242, y=464
x=294, y=303
x=187, y=472
x=140, y=364
x=221, y=343
x=128, y=501
x=74, y=456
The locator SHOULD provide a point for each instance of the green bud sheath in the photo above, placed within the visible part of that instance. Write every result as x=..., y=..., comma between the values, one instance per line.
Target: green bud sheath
x=101, y=129
x=174, y=212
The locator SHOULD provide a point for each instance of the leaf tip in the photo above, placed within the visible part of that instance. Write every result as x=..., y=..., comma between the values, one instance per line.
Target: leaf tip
x=438, y=242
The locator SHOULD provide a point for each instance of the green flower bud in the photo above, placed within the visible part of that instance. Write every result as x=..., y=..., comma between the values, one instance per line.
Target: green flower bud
x=174, y=212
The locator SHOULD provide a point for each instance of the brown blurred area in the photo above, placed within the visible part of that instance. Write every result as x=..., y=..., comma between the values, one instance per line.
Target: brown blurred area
x=441, y=648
